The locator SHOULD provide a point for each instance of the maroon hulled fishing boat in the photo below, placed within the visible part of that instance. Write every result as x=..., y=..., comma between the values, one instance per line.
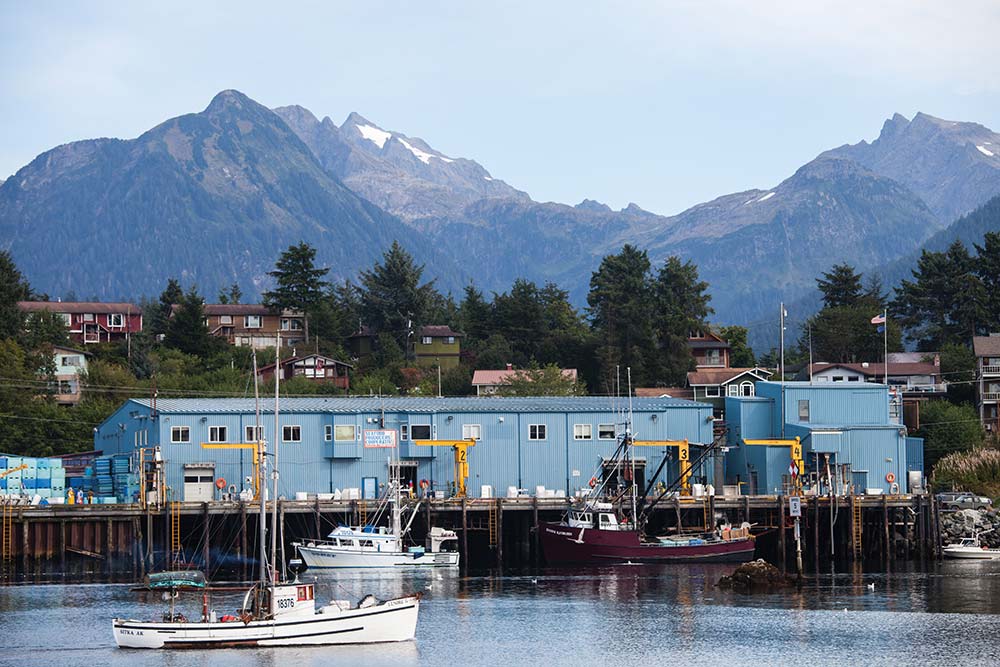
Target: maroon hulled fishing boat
x=591, y=533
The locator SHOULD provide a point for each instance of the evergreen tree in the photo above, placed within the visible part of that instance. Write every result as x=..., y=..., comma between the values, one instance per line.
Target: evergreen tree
x=620, y=307
x=681, y=307
x=392, y=299
x=841, y=286
x=186, y=330
x=519, y=316
x=160, y=316
x=299, y=284
x=987, y=268
x=943, y=302
x=740, y=354
x=13, y=288
x=232, y=295
x=476, y=316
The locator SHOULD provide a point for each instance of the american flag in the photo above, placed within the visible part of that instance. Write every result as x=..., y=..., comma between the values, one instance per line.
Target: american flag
x=878, y=319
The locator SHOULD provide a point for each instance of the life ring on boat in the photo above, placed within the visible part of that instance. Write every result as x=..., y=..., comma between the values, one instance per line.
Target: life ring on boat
x=220, y=483
x=889, y=477
x=593, y=482
x=424, y=484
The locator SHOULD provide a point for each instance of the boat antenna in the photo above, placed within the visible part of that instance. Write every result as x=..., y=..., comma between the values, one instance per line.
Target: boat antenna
x=274, y=472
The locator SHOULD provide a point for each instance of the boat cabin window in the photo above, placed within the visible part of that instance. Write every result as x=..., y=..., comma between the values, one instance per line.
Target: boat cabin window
x=366, y=543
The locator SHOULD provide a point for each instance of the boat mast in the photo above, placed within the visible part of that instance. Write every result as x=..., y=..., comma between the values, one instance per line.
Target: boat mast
x=274, y=472
x=259, y=482
x=394, y=480
x=628, y=435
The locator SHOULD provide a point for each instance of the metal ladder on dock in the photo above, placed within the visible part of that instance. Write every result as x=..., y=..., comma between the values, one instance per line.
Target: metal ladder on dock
x=856, y=527
x=493, y=522
x=6, y=533
x=176, y=551
x=362, y=513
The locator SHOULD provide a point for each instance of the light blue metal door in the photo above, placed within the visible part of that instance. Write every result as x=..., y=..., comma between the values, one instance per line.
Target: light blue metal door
x=369, y=488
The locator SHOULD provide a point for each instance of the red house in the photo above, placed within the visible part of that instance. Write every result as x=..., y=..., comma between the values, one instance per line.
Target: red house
x=92, y=321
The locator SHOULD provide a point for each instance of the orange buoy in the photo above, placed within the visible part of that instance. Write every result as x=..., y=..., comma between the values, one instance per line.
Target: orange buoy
x=889, y=477
x=220, y=483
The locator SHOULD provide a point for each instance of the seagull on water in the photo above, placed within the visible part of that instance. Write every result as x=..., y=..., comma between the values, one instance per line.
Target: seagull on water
x=871, y=586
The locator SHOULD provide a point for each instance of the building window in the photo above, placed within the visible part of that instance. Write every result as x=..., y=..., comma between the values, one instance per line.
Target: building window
x=291, y=324
x=252, y=321
x=328, y=432
x=116, y=320
x=344, y=433
x=291, y=434
x=451, y=340
x=420, y=431
x=67, y=319
x=426, y=340
x=838, y=378
x=71, y=361
x=712, y=392
x=216, y=433
x=180, y=434
x=803, y=410
x=853, y=379
x=746, y=388
x=536, y=431
x=583, y=431
x=732, y=390
x=713, y=358
x=472, y=431
x=88, y=317
x=225, y=319
x=605, y=431
x=404, y=432
x=248, y=432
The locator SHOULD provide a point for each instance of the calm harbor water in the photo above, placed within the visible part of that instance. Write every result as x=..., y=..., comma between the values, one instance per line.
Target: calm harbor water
x=641, y=615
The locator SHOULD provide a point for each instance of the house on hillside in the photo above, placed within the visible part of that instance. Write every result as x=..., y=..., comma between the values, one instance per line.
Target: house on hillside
x=708, y=349
x=987, y=351
x=437, y=345
x=713, y=385
x=914, y=373
x=92, y=321
x=254, y=325
x=488, y=382
x=69, y=363
x=314, y=367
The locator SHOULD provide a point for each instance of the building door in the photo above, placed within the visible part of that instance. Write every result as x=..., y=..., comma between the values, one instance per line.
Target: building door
x=199, y=483
x=859, y=479
x=369, y=488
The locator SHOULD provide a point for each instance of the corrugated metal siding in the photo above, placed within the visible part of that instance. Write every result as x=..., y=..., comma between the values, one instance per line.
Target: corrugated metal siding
x=831, y=403
x=915, y=454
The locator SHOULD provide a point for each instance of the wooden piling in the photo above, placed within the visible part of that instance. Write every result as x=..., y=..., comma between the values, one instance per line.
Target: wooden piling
x=25, y=543
x=815, y=533
x=243, y=540
x=62, y=546
x=465, y=533
x=886, y=537
x=499, y=502
x=319, y=529
x=109, y=545
x=781, y=522
x=536, y=537
x=206, y=551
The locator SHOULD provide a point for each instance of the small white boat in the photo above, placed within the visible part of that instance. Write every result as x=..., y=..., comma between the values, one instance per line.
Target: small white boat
x=375, y=546
x=970, y=548
x=293, y=620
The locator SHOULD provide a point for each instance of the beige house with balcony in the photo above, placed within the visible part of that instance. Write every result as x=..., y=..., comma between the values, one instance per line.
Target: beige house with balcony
x=987, y=351
x=254, y=325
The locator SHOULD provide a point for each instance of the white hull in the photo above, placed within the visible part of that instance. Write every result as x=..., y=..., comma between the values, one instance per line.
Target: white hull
x=320, y=557
x=971, y=553
x=391, y=621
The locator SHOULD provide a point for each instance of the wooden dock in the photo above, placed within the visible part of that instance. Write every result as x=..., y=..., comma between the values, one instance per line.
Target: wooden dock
x=220, y=537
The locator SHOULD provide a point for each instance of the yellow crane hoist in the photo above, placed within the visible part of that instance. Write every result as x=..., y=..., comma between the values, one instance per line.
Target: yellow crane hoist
x=461, y=459
x=683, y=458
x=795, y=446
x=11, y=471
x=255, y=446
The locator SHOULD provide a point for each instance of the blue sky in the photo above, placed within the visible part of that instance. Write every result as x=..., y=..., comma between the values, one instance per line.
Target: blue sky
x=664, y=104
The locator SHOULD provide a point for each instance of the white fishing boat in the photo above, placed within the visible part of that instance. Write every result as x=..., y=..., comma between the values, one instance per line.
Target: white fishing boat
x=373, y=545
x=274, y=613
x=970, y=548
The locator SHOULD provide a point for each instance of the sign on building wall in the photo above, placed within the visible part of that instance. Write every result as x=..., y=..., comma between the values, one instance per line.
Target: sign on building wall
x=376, y=439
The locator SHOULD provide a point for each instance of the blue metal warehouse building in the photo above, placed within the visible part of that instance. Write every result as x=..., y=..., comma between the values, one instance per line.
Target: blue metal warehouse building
x=849, y=422
x=555, y=442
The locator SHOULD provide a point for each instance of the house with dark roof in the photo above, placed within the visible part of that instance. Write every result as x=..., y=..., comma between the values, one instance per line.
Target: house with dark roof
x=709, y=349
x=713, y=385
x=987, y=351
x=918, y=376
x=91, y=321
x=437, y=345
x=313, y=367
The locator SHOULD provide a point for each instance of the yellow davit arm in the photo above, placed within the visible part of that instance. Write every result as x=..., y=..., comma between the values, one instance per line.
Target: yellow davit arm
x=255, y=446
x=461, y=459
x=683, y=455
x=11, y=471
x=795, y=445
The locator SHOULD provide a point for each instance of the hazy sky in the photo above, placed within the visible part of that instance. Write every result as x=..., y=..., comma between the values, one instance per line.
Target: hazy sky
x=664, y=104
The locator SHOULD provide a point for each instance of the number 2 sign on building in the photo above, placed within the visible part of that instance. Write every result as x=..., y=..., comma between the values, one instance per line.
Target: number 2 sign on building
x=380, y=439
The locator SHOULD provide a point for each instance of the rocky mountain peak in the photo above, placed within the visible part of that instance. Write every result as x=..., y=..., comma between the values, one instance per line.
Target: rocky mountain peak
x=593, y=205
